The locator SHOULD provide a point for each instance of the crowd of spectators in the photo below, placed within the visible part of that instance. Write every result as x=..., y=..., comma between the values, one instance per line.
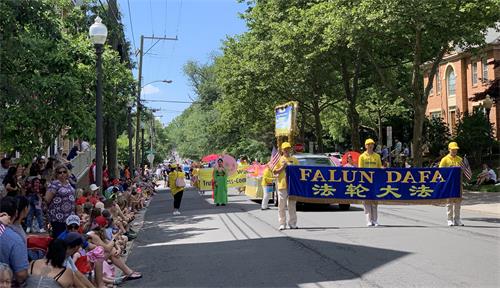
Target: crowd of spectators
x=57, y=234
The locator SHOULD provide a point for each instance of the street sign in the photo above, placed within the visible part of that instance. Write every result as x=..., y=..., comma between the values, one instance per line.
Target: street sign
x=389, y=137
x=299, y=147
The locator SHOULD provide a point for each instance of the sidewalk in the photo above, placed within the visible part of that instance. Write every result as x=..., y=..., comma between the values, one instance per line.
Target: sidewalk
x=485, y=202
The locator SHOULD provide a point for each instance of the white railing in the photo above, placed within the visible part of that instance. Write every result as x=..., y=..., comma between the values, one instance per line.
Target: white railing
x=82, y=162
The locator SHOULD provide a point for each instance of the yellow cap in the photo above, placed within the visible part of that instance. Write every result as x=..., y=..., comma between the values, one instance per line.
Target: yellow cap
x=173, y=165
x=453, y=145
x=369, y=141
x=285, y=145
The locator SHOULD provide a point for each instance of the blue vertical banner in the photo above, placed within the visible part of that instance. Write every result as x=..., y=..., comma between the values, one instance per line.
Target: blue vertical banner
x=385, y=186
x=284, y=119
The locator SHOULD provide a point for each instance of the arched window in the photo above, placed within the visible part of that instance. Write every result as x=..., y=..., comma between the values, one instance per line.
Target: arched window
x=451, y=80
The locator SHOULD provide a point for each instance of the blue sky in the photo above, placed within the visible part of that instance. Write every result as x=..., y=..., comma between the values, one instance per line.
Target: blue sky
x=200, y=25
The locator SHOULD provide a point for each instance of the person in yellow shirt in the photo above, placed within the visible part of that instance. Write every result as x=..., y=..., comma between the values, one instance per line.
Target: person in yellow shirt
x=280, y=169
x=370, y=159
x=176, y=186
x=452, y=160
x=267, y=184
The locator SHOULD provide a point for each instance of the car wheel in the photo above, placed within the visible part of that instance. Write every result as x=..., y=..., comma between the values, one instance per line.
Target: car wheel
x=344, y=207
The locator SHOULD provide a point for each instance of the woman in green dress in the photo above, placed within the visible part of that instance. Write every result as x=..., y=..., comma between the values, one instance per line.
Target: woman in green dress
x=220, y=183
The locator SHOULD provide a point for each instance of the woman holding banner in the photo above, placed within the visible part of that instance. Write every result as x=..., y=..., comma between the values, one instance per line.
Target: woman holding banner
x=220, y=183
x=370, y=159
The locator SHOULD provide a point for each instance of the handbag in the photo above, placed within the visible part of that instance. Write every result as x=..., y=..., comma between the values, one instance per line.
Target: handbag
x=179, y=182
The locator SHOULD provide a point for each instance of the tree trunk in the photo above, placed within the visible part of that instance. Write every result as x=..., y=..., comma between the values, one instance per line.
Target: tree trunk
x=353, y=118
x=350, y=95
x=318, y=127
x=418, y=127
x=380, y=132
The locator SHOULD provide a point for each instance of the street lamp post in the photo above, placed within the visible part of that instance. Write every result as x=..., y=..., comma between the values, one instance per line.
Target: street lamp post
x=142, y=144
x=129, y=131
x=98, y=33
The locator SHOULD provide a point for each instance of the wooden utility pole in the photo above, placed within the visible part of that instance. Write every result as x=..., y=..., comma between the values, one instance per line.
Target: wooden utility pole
x=139, y=89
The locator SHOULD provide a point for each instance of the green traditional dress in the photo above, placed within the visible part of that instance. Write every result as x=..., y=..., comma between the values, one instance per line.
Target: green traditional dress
x=220, y=189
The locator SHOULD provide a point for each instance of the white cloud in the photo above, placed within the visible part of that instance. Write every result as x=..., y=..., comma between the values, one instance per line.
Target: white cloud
x=150, y=89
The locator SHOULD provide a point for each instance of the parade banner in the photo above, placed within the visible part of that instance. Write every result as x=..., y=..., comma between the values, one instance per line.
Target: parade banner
x=236, y=180
x=285, y=119
x=384, y=186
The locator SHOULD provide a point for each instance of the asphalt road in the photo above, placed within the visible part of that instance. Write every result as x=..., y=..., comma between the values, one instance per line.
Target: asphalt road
x=239, y=246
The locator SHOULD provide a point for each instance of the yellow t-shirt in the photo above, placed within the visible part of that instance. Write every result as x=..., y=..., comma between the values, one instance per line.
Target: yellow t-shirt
x=282, y=176
x=267, y=177
x=171, y=181
x=369, y=161
x=450, y=161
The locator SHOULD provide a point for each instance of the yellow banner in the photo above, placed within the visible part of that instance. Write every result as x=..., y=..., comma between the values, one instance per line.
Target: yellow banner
x=236, y=180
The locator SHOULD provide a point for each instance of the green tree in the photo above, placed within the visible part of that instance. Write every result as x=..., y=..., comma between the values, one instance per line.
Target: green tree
x=474, y=135
x=436, y=136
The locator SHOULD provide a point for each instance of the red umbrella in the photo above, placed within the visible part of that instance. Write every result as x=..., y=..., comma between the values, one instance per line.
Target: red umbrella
x=355, y=156
x=209, y=158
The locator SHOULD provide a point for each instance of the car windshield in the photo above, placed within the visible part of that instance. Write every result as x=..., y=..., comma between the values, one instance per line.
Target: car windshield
x=315, y=162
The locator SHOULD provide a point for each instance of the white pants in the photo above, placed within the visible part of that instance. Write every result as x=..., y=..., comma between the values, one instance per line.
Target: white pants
x=371, y=212
x=453, y=212
x=265, y=199
x=284, y=201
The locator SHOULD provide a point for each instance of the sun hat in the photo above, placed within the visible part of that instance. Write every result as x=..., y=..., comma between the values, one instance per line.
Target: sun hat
x=285, y=145
x=453, y=145
x=94, y=187
x=369, y=141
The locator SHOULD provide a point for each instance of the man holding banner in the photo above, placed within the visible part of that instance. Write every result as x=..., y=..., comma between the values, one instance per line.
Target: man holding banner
x=280, y=168
x=452, y=160
x=370, y=159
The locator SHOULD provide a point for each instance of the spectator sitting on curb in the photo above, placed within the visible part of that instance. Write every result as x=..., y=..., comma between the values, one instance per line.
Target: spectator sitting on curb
x=487, y=176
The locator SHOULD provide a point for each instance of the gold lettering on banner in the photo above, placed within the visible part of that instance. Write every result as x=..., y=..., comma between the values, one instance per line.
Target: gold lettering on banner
x=332, y=176
x=304, y=174
x=318, y=175
x=345, y=177
x=437, y=176
x=424, y=175
x=393, y=176
x=409, y=178
x=368, y=176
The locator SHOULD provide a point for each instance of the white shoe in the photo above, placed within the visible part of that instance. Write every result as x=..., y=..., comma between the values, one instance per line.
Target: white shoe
x=28, y=230
x=450, y=223
x=282, y=227
x=375, y=223
x=369, y=224
x=42, y=230
x=177, y=213
x=293, y=227
x=459, y=223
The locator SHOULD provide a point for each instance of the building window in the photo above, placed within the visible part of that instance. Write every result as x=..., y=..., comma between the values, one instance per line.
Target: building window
x=474, y=73
x=451, y=83
x=453, y=118
x=438, y=82
x=431, y=91
x=485, y=69
x=436, y=115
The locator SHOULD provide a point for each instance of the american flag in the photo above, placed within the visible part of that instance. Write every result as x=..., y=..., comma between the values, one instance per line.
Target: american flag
x=2, y=228
x=275, y=157
x=466, y=168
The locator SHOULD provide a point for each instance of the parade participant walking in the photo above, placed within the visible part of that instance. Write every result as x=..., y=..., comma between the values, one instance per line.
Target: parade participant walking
x=283, y=200
x=370, y=159
x=176, y=184
x=219, y=179
x=452, y=160
x=267, y=183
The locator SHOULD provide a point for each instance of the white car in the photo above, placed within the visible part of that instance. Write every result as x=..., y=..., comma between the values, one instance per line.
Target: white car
x=316, y=160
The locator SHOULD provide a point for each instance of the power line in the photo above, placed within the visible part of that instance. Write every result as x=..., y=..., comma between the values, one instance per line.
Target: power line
x=131, y=26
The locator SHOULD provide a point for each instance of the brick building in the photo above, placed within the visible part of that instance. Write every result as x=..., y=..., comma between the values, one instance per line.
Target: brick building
x=461, y=75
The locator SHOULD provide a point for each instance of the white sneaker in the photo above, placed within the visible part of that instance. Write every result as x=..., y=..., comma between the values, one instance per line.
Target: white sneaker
x=282, y=227
x=459, y=223
x=293, y=227
x=177, y=213
x=42, y=230
x=369, y=224
x=28, y=230
x=375, y=223
x=450, y=223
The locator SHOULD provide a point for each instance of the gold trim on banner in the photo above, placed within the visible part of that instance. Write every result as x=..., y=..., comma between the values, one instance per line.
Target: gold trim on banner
x=385, y=202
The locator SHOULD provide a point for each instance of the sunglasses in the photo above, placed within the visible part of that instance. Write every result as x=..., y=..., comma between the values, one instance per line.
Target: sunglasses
x=62, y=172
x=73, y=226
